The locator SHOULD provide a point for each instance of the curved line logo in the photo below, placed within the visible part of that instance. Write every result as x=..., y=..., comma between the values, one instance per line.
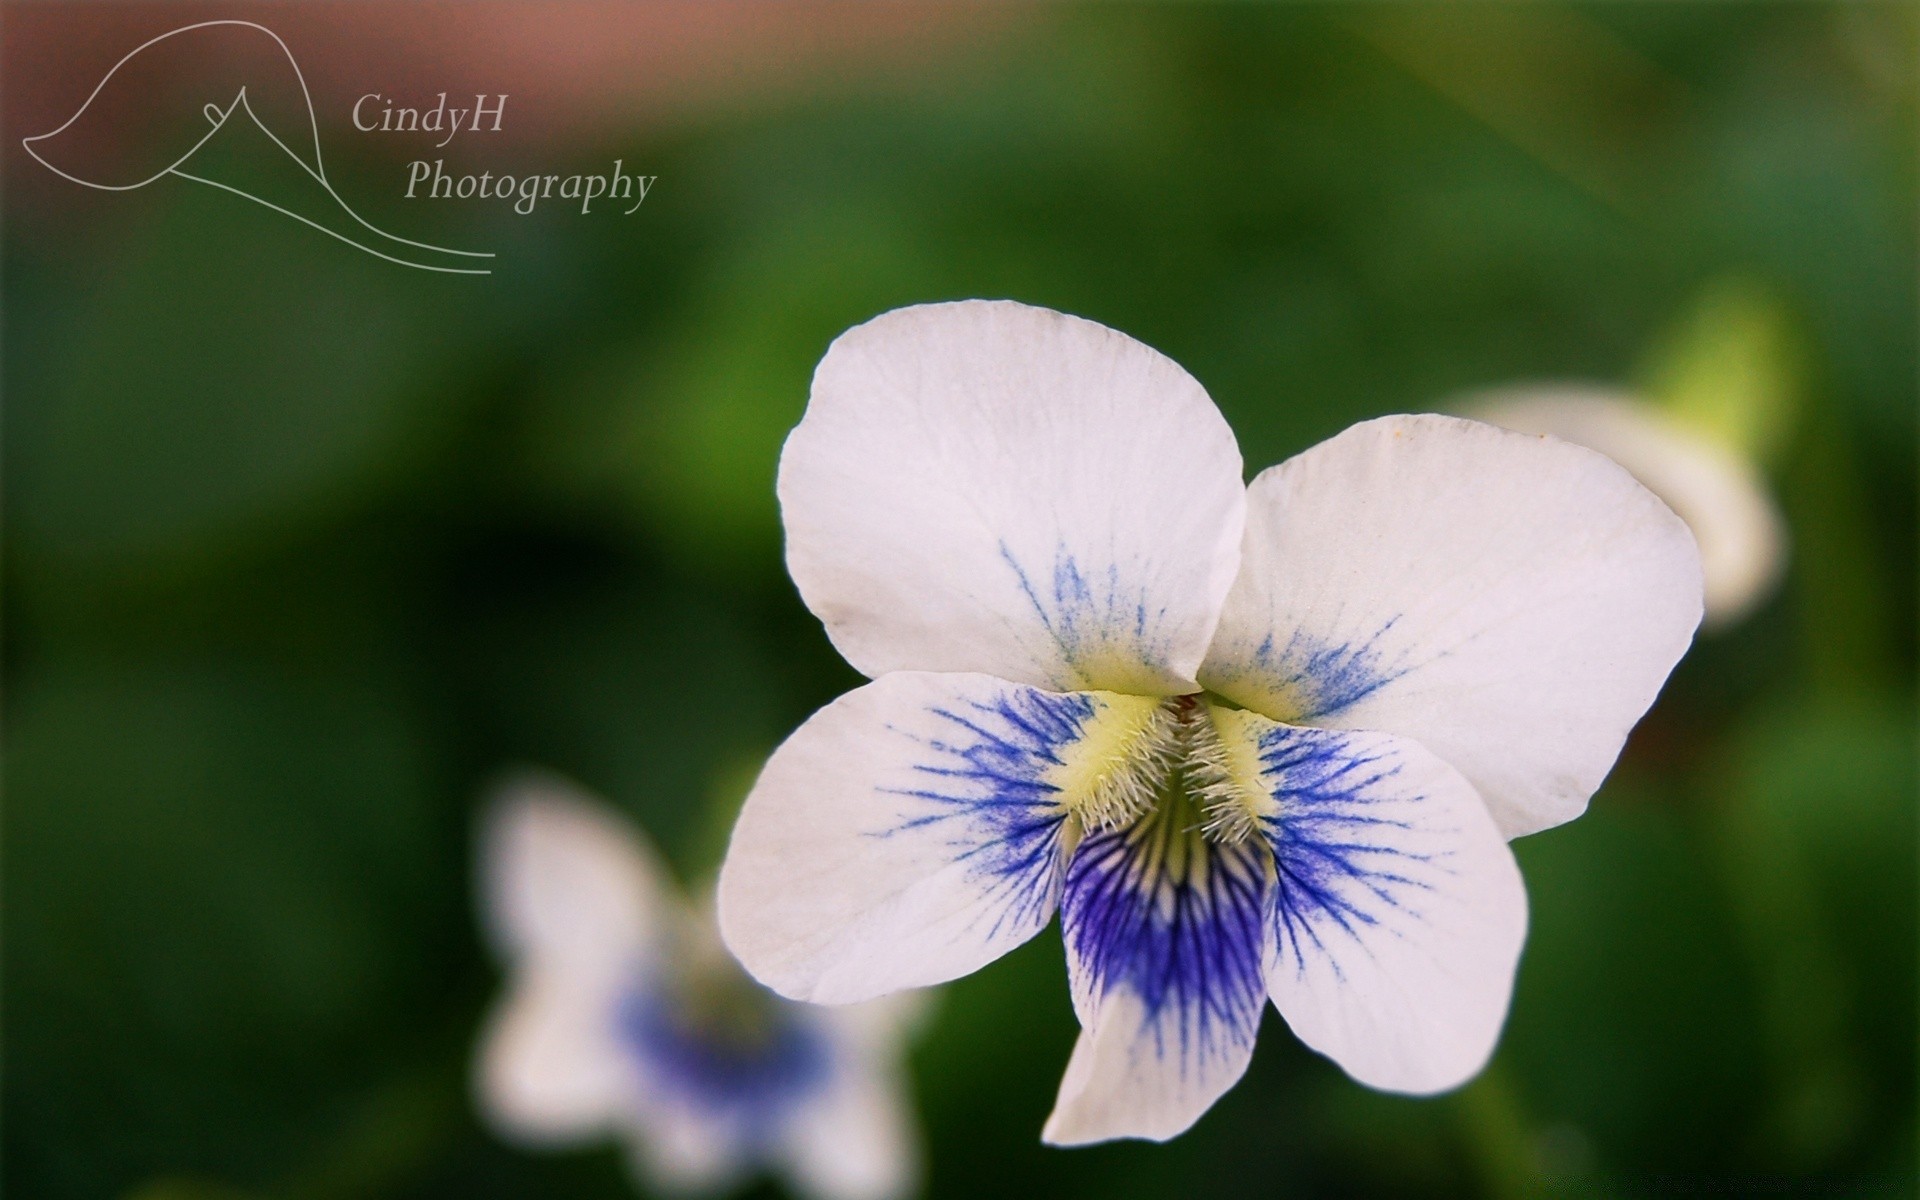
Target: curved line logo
x=218, y=116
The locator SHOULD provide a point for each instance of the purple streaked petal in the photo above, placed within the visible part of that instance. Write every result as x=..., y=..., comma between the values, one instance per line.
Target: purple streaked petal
x=1167, y=945
x=743, y=1065
x=1398, y=912
x=909, y=833
x=1512, y=603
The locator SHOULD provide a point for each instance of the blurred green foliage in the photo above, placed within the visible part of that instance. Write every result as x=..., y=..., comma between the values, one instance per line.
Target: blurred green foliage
x=304, y=548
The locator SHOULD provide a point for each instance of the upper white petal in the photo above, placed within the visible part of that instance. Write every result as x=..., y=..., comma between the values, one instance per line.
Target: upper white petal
x=680, y=1151
x=569, y=885
x=991, y=487
x=1720, y=495
x=550, y=1070
x=1398, y=911
x=1514, y=603
x=905, y=835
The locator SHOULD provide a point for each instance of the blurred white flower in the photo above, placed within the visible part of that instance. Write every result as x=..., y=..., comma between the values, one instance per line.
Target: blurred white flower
x=1718, y=492
x=1252, y=742
x=625, y=1017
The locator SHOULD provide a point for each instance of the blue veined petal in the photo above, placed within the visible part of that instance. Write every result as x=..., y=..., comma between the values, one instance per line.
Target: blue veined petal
x=742, y=1062
x=912, y=831
x=1309, y=680
x=1511, y=603
x=858, y=1139
x=1398, y=912
x=1102, y=626
x=731, y=1078
x=990, y=487
x=572, y=896
x=986, y=783
x=1167, y=945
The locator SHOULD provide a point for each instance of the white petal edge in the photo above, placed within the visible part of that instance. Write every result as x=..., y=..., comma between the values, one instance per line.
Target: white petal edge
x=1111, y=1091
x=569, y=885
x=677, y=1151
x=873, y=854
x=549, y=1071
x=855, y=1141
x=1168, y=945
x=1513, y=603
x=1720, y=495
x=1398, y=910
x=990, y=487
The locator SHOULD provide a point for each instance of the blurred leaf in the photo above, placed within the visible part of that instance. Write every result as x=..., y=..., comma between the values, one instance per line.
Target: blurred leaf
x=651, y=699
x=1837, y=576
x=1819, y=831
x=1730, y=369
x=188, y=1189
x=683, y=432
x=225, y=374
x=1633, y=1020
x=218, y=894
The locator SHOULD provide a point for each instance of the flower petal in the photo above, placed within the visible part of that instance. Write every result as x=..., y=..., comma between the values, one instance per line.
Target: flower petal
x=679, y=1151
x=1721, y=497
x=854, y=1142
x=907, y=834
x=1398, y=912
x=550, y=1070
x=987, y=486
x=568, y=884
x=1513, y=603
x=1167, y=948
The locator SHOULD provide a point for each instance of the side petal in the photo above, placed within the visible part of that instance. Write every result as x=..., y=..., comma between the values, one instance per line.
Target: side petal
x=1513, y=603
x=855, y=1141
x=987, y=486
x=1721, y=497
x=1167, y=949
x=907, y=834
x=549, y=1070
x=568, y=883
x=678, y=1151
x=1398, y=912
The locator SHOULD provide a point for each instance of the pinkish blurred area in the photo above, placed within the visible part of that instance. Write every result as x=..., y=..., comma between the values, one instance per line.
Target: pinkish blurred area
x=572, y=68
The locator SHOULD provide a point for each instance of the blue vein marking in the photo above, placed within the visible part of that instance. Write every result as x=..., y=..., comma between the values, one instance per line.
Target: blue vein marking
x=984, y=788
x=1084, y=619
x=745, y=1080
x=1338, y=841
x=1159, y=911
x=1326, y=676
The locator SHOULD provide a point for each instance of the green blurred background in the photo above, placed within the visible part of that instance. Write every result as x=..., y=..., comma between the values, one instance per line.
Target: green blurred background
x=303, y=547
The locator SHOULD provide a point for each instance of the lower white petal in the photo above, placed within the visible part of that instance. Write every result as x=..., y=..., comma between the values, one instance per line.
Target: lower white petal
x=550, y=1070
x=1398, y=911
x=855, y=1141
x=907, y=834
x=679, y=1151
x=1167, y=947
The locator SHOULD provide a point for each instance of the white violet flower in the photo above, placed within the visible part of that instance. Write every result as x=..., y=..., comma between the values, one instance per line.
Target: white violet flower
x=1717, y=491
x=1252, y=742
x=624, y=1016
